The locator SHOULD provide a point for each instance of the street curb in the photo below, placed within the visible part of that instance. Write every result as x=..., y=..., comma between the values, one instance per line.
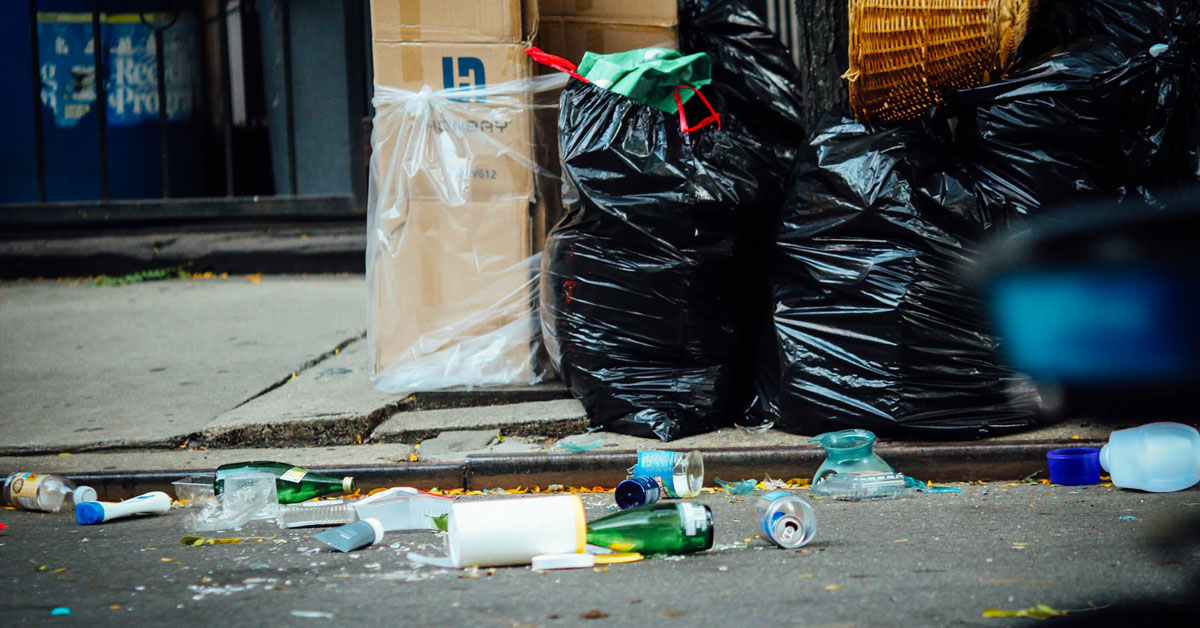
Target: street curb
x=936, y=462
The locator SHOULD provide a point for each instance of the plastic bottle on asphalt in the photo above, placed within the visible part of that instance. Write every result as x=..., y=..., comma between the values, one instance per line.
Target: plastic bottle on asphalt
x=785, y=519
x=293, y=484
x=662, y=528
x=1156, y=457
x=44, y=492
x=152, y=503
x=680, y=473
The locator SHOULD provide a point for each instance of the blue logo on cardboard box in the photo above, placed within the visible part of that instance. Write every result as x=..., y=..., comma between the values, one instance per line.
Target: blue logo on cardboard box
x=469, y=74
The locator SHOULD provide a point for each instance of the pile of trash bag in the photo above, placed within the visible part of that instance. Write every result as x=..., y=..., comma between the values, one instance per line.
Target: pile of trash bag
x=874, y=326
x=639, y=281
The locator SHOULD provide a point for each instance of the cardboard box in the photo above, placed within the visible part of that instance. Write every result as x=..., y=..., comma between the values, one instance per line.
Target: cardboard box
x=570, y=39
x=483, y=146
x=508, y=21
x=646, y=12
x=453, y=280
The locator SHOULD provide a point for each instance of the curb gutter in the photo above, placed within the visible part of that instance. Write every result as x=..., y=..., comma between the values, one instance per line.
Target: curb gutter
x=937, y=462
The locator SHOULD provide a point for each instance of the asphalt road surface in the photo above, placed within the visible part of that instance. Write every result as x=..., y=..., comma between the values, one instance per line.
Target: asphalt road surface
x=928, y=560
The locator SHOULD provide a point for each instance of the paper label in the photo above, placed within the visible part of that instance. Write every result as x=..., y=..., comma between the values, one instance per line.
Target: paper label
x=694, y=519
x=24, y=489
x=295, y=474
x=659, y=465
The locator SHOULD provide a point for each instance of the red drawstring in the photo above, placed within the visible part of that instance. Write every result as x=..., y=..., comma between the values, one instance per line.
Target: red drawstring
x=564, y=65
x=554, y=61
x=683, y=123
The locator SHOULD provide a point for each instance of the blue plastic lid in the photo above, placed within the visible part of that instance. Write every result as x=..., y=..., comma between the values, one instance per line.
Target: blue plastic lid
x=88, y=513
x=1075, y=466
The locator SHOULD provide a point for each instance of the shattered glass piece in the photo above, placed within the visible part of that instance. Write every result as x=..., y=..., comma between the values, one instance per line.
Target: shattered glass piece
x=573, y=446
x=737, y=488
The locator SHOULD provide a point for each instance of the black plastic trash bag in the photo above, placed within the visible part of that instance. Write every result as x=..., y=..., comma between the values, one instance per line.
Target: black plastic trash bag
x=755, y=81
x=639, y=282
x=1132, y=24
x=754, y=76
x=874, y=327
x=1156, y=101
x=1044, y=135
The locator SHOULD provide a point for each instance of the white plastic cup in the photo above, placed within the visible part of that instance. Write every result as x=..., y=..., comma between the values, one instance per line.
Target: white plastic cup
x=1156, y=457
x=513, y=531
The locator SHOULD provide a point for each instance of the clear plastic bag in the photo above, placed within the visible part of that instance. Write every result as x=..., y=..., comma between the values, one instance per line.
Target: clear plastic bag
x=456, y=217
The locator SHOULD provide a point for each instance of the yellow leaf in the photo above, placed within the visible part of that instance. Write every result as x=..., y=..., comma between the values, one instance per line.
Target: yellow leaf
x=114, y=607
x=59, y=570
x=833, y=587
x=255, y=278
x=1041, y=611
x=64, y=453
x=166, y=560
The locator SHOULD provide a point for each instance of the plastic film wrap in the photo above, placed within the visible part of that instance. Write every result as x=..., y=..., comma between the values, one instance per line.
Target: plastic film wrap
x=454, y=225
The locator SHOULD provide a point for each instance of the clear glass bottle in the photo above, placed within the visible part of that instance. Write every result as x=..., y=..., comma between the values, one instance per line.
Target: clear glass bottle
x=680, y=473
x=44, y=492
x=662, y=528
x=293, y=484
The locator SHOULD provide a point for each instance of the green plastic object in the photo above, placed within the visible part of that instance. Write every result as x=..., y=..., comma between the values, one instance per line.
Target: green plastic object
x=661, y=528
x=648, y=75
x=294, y=484
x=848, y=451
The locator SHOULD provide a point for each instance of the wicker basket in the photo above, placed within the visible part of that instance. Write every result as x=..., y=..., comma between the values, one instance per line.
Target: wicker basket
x=903, y=53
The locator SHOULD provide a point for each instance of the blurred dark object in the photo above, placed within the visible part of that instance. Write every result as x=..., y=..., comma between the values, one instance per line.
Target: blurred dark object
x=874, y=327
x=1100, y=307
x=753, y=72
x=640, y=286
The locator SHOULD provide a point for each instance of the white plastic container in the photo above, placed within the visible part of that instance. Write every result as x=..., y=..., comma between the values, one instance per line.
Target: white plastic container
x=513, y=531
x=1156, y=457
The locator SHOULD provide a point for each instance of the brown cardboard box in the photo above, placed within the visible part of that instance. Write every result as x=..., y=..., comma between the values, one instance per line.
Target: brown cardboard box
x=508, y=21
x=647, y=12
x=570, y=39
x=450, y=279
x=495, y=134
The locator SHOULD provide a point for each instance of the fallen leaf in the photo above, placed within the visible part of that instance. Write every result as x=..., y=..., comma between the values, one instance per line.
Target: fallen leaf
x=900, y=541
x=166, y=560
x=595, y=613
x=1041, y=611
x=114, y=607
x=672, y=613
x=59, y=570
x=255, y=278
x=834, y=587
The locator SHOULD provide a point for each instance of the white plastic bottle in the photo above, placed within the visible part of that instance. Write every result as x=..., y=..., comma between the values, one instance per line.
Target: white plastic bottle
x=1156, y=457
x=44, y=492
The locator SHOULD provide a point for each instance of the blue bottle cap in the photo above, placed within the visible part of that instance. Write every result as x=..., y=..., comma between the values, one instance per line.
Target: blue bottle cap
x=88, y=513
x=638, y=491
x=1075, y=466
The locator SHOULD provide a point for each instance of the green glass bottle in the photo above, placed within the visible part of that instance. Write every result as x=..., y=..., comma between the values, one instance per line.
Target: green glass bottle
x=661, y=528
x=294, y=484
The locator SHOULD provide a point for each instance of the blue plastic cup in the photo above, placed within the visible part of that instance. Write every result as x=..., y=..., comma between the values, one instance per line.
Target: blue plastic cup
x=1076, y=466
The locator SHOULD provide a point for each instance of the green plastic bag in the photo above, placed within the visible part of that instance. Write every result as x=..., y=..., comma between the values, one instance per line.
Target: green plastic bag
x=648, y=75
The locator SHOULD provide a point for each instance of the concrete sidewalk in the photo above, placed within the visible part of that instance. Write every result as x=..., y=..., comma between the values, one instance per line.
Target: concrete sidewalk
x=190, y=373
